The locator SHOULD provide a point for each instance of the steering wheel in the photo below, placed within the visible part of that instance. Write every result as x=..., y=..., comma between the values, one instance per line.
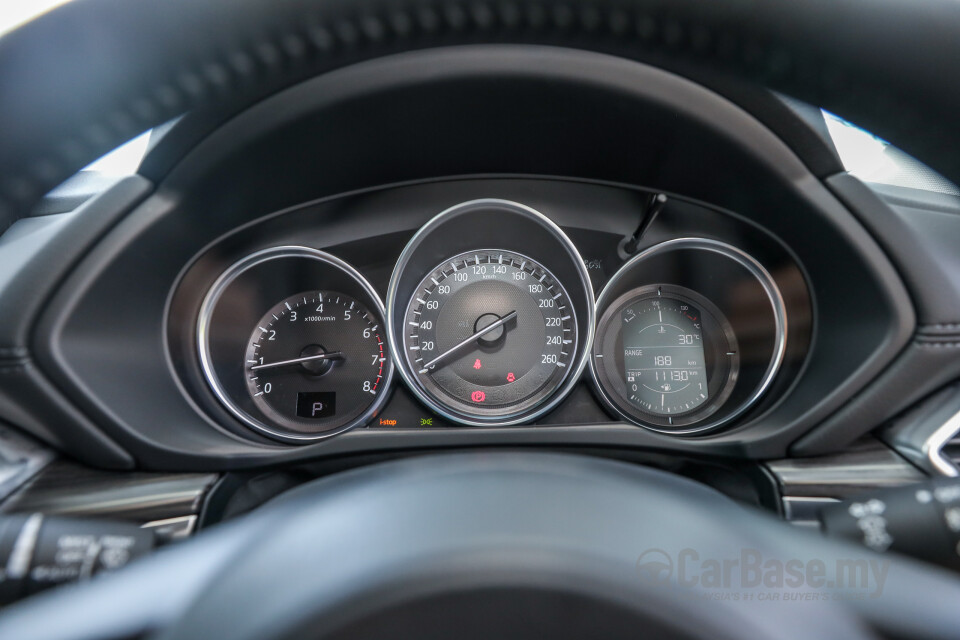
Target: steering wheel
x=489, y=543
x=497, y=544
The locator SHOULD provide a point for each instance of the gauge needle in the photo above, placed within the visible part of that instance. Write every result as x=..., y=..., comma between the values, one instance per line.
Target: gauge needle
x=491, y=327
x=282, y=363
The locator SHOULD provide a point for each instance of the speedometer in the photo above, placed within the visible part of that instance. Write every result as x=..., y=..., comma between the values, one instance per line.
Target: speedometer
x=489, y=334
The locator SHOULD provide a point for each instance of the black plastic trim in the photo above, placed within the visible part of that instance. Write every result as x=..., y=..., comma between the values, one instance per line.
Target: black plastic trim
x=37, y=254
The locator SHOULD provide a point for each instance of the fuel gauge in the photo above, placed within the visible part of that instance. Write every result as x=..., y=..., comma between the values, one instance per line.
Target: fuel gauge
x=696, y=351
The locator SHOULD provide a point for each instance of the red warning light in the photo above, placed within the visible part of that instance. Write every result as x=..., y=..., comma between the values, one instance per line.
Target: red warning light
x=478, y=396
x=511, y=377
x=477, y=365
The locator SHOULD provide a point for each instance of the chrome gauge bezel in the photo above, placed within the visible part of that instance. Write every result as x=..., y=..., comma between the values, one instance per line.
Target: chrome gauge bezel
x=612, y=291
x=204, y=351
x=396, y=309
x=712, y=321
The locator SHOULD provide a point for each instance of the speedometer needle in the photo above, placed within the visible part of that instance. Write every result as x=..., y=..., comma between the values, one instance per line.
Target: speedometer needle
x=282, y=363
x=491, y=327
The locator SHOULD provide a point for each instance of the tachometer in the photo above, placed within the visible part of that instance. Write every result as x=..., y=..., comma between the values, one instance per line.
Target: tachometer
x=292, y=343
x=489, y=334
x=315, y=358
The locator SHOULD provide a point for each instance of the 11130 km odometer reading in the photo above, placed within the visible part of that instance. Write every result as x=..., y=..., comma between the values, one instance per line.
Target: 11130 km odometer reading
x=664, y=362
x=667, y=355
x=489, y=333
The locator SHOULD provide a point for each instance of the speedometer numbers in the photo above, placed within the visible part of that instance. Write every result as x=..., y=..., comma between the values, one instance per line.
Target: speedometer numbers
x=489, y=334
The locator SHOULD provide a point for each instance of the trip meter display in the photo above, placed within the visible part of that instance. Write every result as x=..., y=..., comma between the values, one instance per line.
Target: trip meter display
x=664, y=355
x=691, y=334
x=490, y=332
x=664, y=363
x=669, y=353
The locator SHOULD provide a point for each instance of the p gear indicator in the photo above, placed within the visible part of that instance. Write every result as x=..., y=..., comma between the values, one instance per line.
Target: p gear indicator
x=317, y=404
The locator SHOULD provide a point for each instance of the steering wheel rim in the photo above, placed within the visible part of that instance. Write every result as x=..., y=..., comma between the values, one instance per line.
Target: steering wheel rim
x=128, y=66
x=327, y=558
x=519, y=523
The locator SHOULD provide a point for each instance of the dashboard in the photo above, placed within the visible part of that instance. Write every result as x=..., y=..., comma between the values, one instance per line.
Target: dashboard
x=387, y=272
x=635, y=264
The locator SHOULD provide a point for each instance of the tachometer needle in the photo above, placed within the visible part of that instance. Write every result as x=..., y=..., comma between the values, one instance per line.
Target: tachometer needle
x=333, y=355
x=479, y=334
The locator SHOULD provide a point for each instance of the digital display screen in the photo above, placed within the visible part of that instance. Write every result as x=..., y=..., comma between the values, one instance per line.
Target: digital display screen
x=317, y=404
x=663, y=355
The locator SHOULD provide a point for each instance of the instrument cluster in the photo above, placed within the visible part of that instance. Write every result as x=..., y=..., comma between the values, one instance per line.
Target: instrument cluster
x=491, y=319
